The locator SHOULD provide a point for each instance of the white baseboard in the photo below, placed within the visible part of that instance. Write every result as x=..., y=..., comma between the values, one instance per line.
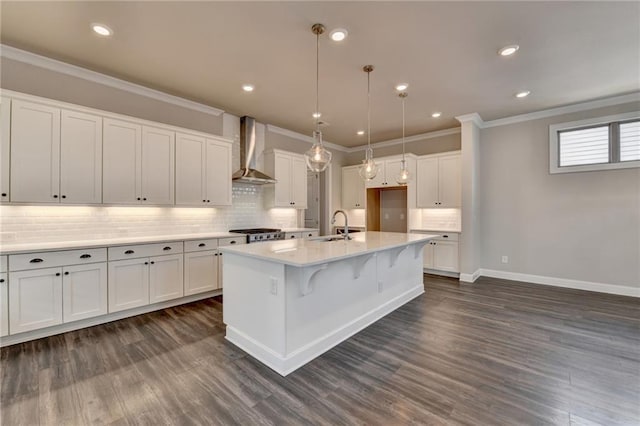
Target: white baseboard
x=470, y=278
x=286, y=364
x=559, y=282
x=441, y=273
x=90, y=322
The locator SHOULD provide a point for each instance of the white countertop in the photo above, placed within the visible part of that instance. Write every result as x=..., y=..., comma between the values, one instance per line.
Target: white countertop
x=299, y=229
x=315, y=251
x=18, y=247
x=454, y=231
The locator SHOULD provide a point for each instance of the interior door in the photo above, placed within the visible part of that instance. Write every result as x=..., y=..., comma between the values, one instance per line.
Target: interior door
x=218, y=173
x=80, y=158
x=35, y=153
x=427, y=182
x=158, y=166
x=190, y=170
x=121, y=167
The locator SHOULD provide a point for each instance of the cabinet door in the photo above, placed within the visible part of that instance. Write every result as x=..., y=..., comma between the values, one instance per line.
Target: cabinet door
x=379, y=180
x=35, y=152
x=200, y=272
x=427, y=182
x=128, y=284
x=165, y=278
x=449, y=189
x=282, y=189
x=158, y=165
x=121, y=165
x=190, y=170
x=84, y=291
x=218, y=173
x=4, y=305
x=80, y=158
x=352, y=184
x=392, y=170
x=5, y=135
x=445, y=256
x=299, y=183
x=427, y=255
x=35, y=299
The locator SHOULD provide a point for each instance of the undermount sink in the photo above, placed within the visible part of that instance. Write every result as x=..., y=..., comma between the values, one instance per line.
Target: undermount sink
x=330, y=238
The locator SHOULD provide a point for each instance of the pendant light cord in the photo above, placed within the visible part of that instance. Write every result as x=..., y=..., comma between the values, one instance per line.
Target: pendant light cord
x=317, y=82
x=403, y=98
x=368, y=109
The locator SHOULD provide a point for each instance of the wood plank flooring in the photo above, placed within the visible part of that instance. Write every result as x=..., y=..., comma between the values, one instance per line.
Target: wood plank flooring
x=491, y=353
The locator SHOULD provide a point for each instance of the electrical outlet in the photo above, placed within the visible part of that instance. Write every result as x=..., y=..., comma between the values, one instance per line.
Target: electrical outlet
x=505, y=259
x=274, y=286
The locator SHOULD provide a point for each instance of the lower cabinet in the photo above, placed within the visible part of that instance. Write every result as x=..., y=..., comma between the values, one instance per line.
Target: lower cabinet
x=201, y=272
x=35, y=297
x=139, y=282
x=84, y=291
x=4, y=305
x=441, y=255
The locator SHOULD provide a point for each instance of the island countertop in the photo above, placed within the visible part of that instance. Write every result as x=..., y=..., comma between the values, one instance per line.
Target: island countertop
x=308, y=252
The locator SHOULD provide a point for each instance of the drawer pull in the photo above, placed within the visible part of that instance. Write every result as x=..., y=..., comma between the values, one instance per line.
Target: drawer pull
x=201, y=245
x=166, y=248
x=232, y=242
x=445, y=236
x=85, y=256
x=129, y=252
x=1, y=280
x=66, y=273
x=57, y=274
x=36, y=260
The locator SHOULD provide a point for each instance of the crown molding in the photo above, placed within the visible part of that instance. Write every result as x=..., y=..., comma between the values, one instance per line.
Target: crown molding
x=474, y=117
x=295, y=135
x=96, y=77
x=568, y=109
x=410, y=139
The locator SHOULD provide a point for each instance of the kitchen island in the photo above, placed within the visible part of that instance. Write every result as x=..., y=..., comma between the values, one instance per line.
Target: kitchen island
x=287, y=302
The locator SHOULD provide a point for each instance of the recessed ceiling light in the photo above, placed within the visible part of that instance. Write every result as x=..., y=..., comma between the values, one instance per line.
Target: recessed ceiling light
x=102, y=30
x=402, y=86
x=360, y=132
x=338, y=34
x=523, y=94
x=248, y=87
x=316, y=115
x=436, y=114
x=508, y=50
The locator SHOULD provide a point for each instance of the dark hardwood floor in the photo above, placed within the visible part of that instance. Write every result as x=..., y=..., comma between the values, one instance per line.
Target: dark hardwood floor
x=491, y=353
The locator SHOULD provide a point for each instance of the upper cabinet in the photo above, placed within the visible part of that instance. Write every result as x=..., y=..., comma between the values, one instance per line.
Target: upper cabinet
x=387, y=172
x=353, y=189
x=290, y=170
x=438, y=181
x=203, y=171
x=5, y=135
x=138, y=164
x=56, y=155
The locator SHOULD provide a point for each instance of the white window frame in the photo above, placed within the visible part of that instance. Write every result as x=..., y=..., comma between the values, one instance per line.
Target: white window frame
x=554, y=147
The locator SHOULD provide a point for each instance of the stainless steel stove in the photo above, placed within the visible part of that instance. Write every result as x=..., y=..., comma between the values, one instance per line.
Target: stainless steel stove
x=256, y=235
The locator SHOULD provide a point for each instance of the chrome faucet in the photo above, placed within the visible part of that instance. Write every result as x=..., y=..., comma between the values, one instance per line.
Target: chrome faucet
x=346, y=223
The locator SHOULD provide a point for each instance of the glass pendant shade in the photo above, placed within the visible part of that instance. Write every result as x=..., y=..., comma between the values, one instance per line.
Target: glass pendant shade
x=404, y=176
x=369, y=168
x=318, y=158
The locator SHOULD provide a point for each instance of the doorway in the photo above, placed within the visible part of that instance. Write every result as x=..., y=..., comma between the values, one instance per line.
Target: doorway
x=387, y=209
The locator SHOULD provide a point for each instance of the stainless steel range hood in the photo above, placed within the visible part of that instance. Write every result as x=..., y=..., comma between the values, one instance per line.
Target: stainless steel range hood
x=248, y=173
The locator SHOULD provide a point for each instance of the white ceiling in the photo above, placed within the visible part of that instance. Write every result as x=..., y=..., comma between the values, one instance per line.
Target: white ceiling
x=204, y=51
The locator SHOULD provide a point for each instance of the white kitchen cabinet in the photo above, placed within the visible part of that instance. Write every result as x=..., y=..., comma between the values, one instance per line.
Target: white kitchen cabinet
x=438, y=181
x=128, y=284
x=35, y=299
x=310, y=234
x=122, y=152
x=165, y=278
x=203, y=171
x=84, y=291
x=441, y=254
x=5, y=136
x=201, y=272
x=80, y=158
x=292, y=235
x=290, y=171
x=353, y=188
x=158, y=166
x=35, y=152
x=4, y=304
x=389, y=169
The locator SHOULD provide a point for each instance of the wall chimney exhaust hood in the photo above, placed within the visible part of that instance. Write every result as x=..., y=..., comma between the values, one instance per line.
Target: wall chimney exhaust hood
x=248, y=173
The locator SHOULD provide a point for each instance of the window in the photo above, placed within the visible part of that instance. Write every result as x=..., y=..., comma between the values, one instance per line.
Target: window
x=597, y=144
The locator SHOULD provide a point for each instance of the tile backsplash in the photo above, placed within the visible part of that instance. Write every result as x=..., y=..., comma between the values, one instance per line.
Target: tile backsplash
x=441, y=219
x=72, y=223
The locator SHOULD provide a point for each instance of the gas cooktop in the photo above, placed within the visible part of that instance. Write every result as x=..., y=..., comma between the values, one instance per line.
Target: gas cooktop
x=255, y=235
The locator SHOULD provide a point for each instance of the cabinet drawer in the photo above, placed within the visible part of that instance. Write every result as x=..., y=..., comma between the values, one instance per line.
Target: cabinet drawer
x=309, y=234
x=144, y=250
x=3, y=263
x=232, y=241
x=292, y=235
x=50, y=259
x=200, y=245
x=448, y=236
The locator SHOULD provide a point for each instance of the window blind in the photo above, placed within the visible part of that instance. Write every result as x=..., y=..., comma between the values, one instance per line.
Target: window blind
x=584, y=146
x=630, y=141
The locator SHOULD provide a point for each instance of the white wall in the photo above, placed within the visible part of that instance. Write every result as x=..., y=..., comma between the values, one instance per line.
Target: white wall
x=577, y=226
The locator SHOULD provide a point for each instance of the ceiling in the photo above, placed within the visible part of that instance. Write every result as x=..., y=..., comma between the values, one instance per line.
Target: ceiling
x=447, y=52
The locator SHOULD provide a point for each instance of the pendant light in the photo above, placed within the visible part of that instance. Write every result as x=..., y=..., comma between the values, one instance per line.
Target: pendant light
x=403, y=177
x=369, y=168
x=318, y=158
